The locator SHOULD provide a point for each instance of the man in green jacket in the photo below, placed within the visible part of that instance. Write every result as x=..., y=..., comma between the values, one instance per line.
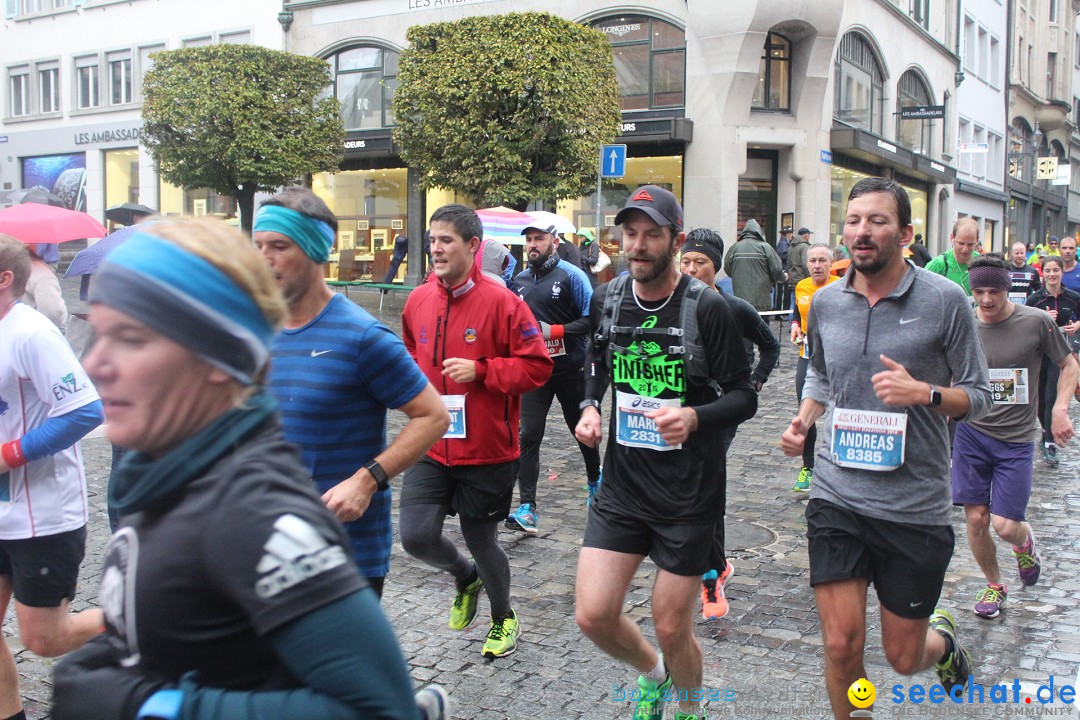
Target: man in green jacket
x=754, y=267
x=954, y=263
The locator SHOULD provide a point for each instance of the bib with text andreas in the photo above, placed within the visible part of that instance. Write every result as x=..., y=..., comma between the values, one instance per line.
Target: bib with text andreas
x=868, y=439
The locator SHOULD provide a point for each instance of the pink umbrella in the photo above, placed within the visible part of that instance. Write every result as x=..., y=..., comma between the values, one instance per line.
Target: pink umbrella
x=33, y=223
x=503, y=223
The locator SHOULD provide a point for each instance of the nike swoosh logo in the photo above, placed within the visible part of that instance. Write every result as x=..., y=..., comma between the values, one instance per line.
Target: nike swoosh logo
x=905, y=322
x=915, y=604
x=317, y=353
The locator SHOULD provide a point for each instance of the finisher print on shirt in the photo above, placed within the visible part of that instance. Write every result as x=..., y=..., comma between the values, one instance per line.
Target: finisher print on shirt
x=646, y=379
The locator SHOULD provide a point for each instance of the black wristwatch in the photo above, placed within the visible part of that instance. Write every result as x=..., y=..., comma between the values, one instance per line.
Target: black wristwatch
x=381, y=480
x=935, y=396
x=589, y=402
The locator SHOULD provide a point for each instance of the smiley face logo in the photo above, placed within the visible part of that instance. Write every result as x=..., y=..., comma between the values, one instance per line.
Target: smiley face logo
x=862, y=693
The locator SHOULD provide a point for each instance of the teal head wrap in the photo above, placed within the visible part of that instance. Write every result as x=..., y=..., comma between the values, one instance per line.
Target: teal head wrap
x=314, y=236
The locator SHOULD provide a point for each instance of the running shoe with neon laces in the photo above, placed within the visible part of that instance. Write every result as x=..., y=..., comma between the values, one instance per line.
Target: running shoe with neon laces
x=806, y=476
x=680, y=715
x=653, y=697
x=714, y=602
x=990, y=600
x=463, y=612
x=502, y=637
x=433, y=703
x=955, y=668
x=1027, y=560
x=524, y=519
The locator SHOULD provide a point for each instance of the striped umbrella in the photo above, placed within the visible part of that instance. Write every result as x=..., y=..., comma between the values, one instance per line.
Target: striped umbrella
x=504, y=224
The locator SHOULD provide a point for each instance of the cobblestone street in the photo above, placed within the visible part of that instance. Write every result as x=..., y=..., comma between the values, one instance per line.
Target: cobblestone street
x=767, y=652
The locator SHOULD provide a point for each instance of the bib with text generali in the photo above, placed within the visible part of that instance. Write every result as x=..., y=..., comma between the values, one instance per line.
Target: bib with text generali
x=868, y=439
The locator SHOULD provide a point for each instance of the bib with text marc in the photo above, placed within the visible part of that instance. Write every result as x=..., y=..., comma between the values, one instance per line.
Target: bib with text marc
x=1009, y=386
x=636, y=430
x=868, y=439
x=455, y=405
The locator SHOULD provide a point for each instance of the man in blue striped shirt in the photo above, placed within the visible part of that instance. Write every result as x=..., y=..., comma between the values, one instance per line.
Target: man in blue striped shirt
x=335, y=370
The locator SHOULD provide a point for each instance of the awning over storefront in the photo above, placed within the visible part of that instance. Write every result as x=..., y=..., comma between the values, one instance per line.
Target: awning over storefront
x=369, y=143
x=871, y=148
x=971, y=188
x=662, y=129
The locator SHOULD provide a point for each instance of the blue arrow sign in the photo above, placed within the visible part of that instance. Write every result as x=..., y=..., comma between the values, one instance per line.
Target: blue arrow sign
x=613, y=161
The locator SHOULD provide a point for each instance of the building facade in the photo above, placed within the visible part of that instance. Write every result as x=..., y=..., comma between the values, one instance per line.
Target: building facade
x=71, y=113
x=982, y=118
x=1041, y=62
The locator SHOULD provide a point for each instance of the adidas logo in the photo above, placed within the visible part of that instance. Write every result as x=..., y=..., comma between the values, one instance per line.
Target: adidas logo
x=294, y=553
x=643, y=195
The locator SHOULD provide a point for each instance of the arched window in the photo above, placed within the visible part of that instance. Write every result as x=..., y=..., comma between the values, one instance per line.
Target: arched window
x=859, y=82
x=365, y=78
x=773, y=90
x=650, y=61
x=918, y=135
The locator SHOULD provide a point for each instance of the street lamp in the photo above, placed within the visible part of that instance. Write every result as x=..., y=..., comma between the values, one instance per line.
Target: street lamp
x=1016, y=159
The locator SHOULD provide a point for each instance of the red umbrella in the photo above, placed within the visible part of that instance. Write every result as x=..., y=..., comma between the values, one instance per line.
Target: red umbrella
x=33, y=223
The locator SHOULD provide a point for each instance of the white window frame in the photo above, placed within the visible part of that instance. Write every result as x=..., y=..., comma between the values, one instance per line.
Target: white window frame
x=19, y=76
x=88, y=63
x=48, y=82
x=121, y=59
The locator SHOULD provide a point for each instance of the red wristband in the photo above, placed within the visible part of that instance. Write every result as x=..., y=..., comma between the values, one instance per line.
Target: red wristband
x=13, y=454
x=557, y=332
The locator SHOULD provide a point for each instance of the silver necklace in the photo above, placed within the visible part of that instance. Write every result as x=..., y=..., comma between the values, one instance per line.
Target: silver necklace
x=652, y=310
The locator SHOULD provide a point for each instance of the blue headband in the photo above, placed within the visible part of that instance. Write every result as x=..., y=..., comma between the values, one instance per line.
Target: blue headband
x=188, y=300
x=314, y=236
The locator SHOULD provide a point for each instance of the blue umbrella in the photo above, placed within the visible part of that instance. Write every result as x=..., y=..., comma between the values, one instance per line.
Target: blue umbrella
x=86, y=262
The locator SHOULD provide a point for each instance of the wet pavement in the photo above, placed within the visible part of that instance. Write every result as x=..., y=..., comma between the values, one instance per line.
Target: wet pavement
x=763, y=659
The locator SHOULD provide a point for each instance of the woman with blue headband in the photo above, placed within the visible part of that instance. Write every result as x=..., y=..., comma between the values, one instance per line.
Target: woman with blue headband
x=227, y=591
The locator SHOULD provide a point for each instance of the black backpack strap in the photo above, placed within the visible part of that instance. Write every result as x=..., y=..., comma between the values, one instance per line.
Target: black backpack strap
x=609, y=313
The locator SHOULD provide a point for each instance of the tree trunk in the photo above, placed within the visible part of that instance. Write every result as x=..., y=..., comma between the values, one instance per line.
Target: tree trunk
x=245, y=199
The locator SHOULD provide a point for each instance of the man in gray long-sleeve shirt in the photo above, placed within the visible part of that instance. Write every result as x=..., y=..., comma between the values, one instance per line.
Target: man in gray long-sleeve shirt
x=895, y=352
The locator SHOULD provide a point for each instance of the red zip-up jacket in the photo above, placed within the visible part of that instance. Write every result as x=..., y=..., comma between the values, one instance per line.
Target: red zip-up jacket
x=483, y=321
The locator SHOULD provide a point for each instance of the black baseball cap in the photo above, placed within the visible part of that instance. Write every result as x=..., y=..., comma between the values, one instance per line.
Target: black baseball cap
x=805, y=231
x=656, y=202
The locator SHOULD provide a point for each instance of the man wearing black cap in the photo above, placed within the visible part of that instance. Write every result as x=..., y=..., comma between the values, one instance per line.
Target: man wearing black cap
x=659, y=496
x=701, y=258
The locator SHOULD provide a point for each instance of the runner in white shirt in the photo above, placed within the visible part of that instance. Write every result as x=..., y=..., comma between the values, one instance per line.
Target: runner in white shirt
x=47, y=404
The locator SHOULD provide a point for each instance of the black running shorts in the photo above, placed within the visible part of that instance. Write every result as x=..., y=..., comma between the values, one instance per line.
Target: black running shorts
x=481, y=493
x=44, y=570
x=906, y=563
x=679, y=549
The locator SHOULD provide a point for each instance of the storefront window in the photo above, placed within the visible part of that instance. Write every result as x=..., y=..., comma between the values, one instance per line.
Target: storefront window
x=858, y=96
x=650, y=61
x=365, y=79
x=917, y=135
x=842, y=181
x=178, y=201
x=121, y=176
x=665, y=171
x=372, y=209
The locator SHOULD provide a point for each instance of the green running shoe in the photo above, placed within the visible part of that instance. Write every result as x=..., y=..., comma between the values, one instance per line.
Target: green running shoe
x=653, y=697
x=806, y=476
x=502, y=637
x=679, y=715
x=954, y=669
x=463, y=612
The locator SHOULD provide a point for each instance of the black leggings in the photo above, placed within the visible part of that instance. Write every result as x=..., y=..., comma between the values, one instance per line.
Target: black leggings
x=534, y=411
x=1048, y=380
x=811, y=432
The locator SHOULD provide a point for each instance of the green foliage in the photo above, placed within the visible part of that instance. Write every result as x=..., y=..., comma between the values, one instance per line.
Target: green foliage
x=506, y=108
x=239, y=119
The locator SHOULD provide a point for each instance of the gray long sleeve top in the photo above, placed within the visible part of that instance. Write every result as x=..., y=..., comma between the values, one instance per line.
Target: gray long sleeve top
x=926, y=324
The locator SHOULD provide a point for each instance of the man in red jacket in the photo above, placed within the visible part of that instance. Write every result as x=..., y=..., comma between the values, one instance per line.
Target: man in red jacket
x=481, y=348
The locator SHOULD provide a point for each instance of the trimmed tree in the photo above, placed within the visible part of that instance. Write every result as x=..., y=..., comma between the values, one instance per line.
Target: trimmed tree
x=506, y=109
x=239, y=119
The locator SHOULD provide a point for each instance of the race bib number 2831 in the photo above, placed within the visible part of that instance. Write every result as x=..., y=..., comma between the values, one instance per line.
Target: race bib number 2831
x=634, y=429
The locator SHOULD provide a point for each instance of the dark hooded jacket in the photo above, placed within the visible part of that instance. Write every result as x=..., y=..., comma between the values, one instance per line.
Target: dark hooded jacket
x=753, y=266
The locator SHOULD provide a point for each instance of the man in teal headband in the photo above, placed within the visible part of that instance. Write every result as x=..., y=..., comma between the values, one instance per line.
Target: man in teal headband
x=335, y=370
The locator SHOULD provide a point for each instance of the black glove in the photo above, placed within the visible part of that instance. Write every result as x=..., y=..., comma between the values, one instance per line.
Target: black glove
x=89, y=685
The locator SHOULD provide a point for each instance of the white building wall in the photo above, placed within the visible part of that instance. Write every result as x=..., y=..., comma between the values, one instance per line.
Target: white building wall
x=99, y=28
